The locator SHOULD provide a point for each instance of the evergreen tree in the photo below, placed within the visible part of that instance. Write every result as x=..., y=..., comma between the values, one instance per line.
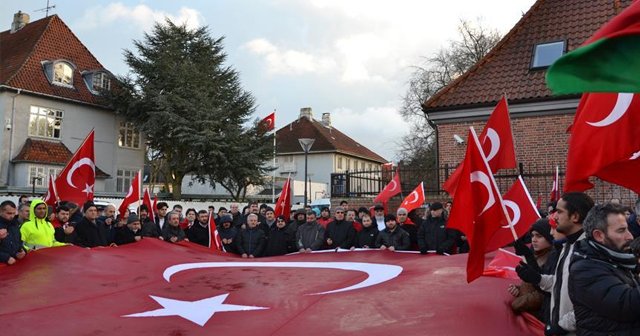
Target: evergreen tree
x=189, y=105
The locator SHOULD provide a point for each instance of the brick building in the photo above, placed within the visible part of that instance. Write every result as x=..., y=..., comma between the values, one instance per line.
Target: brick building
x=516, y=66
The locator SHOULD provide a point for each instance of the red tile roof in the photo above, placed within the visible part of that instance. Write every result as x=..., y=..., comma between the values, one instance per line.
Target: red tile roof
x=47, y=39
x=328, y=139
x=48, y=152
x=506, y=68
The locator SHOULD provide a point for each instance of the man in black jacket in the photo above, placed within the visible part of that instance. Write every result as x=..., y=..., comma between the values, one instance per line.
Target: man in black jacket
x=433, y=234
x=393, y=237
x=11, y=247
x=199, y=232
x=90, y=232
x=251, y=240
x=340, y=233
x=310, y=235
x=130, y=233
x=603, y=284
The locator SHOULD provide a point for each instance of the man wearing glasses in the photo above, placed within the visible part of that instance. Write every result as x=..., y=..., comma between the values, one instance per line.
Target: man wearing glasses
x=340, y=233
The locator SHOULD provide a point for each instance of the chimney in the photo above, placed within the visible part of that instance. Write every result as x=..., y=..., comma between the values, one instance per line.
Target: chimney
x=306, y=112
x=326, y=119
x=20, y=20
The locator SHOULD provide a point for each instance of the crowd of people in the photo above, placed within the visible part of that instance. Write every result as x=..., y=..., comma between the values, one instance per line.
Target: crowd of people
x=580, y=274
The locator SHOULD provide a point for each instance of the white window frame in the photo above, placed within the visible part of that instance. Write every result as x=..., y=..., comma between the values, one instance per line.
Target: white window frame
x=45, y=124
x=42, y=171
x=339, y=163
x=62, y=80
x=124, y=176
x=128, y=136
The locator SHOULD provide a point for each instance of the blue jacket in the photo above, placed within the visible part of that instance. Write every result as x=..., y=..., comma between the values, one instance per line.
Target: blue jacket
x=12, y=244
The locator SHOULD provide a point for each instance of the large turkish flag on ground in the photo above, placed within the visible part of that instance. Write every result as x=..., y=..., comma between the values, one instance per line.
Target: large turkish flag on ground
x=75, y=182
x=477, y=209
x=497, y=143
x=157, y=288
x=605, y=141
x=522, y=212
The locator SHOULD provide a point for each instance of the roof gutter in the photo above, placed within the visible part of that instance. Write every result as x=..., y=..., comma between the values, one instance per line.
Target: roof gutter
x=54, y=97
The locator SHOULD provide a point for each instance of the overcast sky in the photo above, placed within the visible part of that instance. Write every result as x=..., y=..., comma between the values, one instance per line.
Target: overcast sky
x=351, y=58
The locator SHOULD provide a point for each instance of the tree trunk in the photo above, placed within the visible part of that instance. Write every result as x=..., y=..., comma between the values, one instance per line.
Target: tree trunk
x=176, y=185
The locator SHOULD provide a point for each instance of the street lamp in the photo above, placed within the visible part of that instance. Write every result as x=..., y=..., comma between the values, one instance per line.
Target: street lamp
x=33, y=184
x=306, y=144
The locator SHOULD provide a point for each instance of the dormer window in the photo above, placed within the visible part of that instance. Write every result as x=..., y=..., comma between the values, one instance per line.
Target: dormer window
x=97, y=81
x=59, y=72
x=544, y=54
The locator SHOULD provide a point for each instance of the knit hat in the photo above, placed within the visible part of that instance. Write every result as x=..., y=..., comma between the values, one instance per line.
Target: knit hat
x=436, y=206
x=226, y=219
x=88, y=205
x=132, y=219
x=542, y=227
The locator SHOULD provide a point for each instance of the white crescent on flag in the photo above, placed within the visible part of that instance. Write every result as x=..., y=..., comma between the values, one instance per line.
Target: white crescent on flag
x=480, y=176
x=494, y=138
x=622, y=105
x=76, y=165
x=516, y=213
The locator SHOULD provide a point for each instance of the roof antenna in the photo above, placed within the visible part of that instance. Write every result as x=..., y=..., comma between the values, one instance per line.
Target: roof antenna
x=46, y=9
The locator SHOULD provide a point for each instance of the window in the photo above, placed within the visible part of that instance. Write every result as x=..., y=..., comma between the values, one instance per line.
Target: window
x=339, y=162
x=62, y=73
x=124, y=178
x=39, y=175
x=362, y=166
x=545, y=54
x=129, y=137
x=97, y=81
x=45, y=122
x=348, y=164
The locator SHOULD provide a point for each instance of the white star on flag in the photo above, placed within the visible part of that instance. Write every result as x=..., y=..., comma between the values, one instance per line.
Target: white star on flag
x=198, y=312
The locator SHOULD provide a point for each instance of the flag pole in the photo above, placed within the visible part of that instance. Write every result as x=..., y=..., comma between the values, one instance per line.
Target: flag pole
x=139, y=191
x=273, y=180
x=493, y=181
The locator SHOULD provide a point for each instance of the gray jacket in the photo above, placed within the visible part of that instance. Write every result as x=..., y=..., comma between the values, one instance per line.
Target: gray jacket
x=310, y=235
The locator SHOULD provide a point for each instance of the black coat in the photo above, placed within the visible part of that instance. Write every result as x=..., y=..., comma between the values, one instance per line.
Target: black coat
x=66, y=238
x=150, y=229
x=399, y=239
x=605, y=294
x=280, y=241
x=124, y=235
x=433, y=235
x=169, y=231
x=366, y=238
x=230, y=233
x=198, y=234
x=12, y=244
x=341, y=233
x=91, y=234
x=251, y=241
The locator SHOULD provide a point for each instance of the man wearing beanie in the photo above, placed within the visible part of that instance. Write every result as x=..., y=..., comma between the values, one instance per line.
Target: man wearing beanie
x=433, y=234
x=130, y=233
x=527, y=297
x=90, y=232
x=228, y=233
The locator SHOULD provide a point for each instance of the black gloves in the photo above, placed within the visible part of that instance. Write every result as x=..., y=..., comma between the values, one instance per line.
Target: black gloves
x=528, y=273
x=527, y=253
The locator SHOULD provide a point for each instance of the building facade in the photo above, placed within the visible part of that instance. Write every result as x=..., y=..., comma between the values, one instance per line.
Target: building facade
x=50, y=99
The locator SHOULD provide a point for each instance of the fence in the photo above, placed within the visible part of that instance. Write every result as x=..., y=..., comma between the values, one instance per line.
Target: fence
x=538, y=179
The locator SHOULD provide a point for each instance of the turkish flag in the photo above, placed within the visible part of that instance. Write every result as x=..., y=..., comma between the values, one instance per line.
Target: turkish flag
x=133, y=195
x=478, y=210
x=76, y=181
x=153, y=287
x=283, y=205
x=415, y=199
x=503, y=265
x=555, y=188
x=213, y=233
x=522, y=212
x=391, y=189
x=51, y=197
x=605, y=141
x=268, y=123
x=497, y=144
x=146, y=200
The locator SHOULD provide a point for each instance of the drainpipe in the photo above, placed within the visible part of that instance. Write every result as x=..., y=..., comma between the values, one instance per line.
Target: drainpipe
x=11, y=131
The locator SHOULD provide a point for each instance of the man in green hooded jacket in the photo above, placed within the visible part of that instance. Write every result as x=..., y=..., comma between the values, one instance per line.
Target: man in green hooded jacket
x=38, y=232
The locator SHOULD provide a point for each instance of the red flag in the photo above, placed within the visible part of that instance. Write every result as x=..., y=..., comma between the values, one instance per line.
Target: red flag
x=522, y=212
x=391, y=189
x=503, y=265
x=605, y=141
x=415, y=199
x=539, y=202
x=478, y=210
x=283, y=205
x=213, y=235
x=76, y=181
x=497, y=144
x=555, y=188
x=151, y=286
x=51, y=197
x=133, y=195
x=146, y=200
x=269, y=122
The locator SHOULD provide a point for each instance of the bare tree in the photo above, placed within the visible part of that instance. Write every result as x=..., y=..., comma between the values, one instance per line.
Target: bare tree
x=444, y=66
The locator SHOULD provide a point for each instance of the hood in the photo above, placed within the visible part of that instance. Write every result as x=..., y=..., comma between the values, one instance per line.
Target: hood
x=32, y=213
